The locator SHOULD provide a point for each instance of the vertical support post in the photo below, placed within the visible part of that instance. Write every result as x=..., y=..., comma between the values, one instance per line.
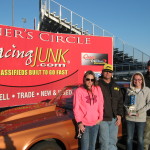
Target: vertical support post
x=142, y=61
x=82, y=26
x=12, y=12
x=133, y=54
x=123, y=51
x=48, y=7
x=93, y=29
x=103, y=32
x=34, y=23
x=40, y=5
x=71, y=22
x=60, y=12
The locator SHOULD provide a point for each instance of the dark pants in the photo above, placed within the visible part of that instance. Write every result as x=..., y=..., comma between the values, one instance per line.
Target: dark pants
x=130, y=134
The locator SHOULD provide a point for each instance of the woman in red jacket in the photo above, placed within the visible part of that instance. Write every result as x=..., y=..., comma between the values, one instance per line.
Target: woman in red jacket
x=88, y=110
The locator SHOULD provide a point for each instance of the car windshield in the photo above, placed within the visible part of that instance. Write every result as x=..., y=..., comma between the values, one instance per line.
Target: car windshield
x=64, y=99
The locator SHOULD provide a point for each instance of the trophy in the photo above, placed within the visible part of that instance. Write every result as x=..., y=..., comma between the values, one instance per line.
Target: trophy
x=132, y=106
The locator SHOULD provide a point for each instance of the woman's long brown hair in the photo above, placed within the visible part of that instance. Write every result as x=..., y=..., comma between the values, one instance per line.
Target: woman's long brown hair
x=89, y=72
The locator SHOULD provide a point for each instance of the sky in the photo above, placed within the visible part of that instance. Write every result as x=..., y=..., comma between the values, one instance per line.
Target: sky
x=127, y=19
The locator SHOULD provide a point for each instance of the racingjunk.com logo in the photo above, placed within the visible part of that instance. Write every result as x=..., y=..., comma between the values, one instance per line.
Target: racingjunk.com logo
x=94, y=59
x=36, y=58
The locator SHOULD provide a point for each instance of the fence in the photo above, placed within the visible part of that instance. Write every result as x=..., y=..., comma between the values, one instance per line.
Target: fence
x=136, y=56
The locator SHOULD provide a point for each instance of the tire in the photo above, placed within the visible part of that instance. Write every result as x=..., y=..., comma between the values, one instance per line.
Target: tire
x=46, y=145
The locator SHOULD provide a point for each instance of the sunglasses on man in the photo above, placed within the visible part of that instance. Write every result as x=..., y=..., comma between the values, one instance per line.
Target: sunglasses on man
x=110, y=71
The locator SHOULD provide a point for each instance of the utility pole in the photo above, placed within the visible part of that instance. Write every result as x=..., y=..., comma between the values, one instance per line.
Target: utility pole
x=40, y=5
x=12, y=12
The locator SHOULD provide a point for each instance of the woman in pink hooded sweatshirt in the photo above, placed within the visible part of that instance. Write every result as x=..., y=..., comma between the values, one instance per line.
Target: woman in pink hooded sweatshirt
x=88, y=110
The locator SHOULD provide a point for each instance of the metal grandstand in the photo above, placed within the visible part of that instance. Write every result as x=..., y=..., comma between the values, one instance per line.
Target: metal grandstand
x=58, y=19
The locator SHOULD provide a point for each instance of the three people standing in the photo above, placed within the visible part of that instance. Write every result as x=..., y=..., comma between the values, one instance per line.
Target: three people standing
x=101, y=108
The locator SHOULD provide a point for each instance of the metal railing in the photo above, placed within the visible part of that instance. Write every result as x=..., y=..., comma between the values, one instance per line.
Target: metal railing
x=88, y=28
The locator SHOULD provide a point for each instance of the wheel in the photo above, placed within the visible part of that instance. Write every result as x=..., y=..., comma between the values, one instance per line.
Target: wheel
x=46, y=145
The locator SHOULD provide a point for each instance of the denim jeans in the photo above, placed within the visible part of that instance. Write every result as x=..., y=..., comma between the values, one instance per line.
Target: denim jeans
x=147, y=134
x=108, y=132
x=140, y=133
x=88, y=139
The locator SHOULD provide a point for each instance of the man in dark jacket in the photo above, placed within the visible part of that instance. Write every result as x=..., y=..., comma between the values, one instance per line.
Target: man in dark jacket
x=113, y=110
x=147, y=75
x=147, y=128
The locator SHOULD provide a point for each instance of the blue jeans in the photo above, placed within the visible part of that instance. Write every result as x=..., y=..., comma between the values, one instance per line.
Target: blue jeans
x=88, y=139
x=140, y=133
x=108, y=132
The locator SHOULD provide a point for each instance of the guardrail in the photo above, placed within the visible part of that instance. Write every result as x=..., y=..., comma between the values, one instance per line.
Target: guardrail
x=86, y=27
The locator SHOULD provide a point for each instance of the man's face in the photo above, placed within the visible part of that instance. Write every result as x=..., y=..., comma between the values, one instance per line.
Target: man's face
x=148, y=69
x=107, y=74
